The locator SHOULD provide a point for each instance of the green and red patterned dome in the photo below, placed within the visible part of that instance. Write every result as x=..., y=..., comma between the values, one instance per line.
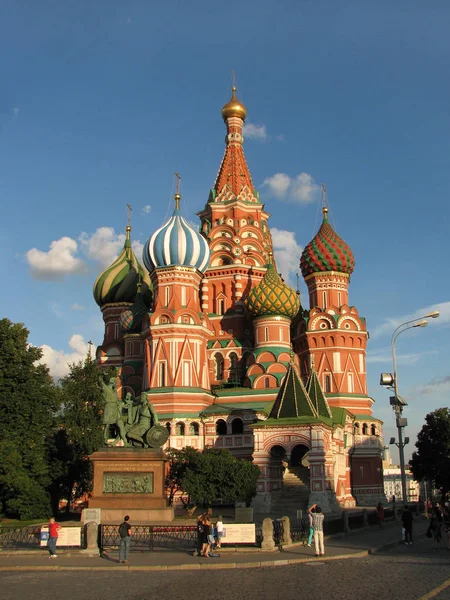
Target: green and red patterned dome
x=327, y=252
x=119, y=283
x=272, y=297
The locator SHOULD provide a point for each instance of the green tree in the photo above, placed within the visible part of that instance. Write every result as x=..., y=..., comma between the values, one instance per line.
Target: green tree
x=180, y=462
x=28, y=402
x=432, y=459
x=217, y=474
x=80, y=431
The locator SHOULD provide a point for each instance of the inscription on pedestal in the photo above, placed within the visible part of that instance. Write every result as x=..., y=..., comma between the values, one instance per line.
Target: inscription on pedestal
x=127, y=483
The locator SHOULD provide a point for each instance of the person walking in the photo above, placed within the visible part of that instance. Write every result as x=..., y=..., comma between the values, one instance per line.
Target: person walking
x=407, y=521
x=317, y=522
x=125, y=540
x=435, y=526
x=53, y=528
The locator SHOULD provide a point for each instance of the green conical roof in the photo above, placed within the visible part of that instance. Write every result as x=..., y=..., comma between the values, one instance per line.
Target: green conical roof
x=272, y=297
x=119, y=282
x=317, y=396
x=292, y=400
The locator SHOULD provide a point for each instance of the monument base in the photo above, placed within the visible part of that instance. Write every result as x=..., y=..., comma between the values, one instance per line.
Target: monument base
x=130, y=481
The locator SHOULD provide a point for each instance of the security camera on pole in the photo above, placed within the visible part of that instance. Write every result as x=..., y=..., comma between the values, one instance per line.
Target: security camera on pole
x=390, y=381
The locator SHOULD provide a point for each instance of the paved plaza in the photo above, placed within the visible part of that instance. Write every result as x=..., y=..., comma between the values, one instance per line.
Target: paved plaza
x=371, y=562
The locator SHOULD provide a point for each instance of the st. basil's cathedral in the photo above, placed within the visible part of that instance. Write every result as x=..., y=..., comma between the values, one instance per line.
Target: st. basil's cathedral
x=230, y=358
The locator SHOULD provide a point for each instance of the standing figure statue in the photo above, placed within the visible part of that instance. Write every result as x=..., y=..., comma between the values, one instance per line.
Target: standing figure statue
x=113, y=412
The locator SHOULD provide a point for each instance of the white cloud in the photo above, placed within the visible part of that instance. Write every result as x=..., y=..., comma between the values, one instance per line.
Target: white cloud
x=287, y=253
x=147, y=208
x=440, y=386
x=58, y=262
x=15, y=111
x=76, y=306
x=255, y=132
x=390, y=324
x=385, y=356
x=301, y=189
x=56, y=309
x=58, y=361
x=105, y=245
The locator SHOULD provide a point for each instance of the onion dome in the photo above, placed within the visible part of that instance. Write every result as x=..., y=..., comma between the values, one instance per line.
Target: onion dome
x=119, y=283
x=176, y=244
x=234, y=108
x=327, y=252
x=131, y=317
x=272, y=297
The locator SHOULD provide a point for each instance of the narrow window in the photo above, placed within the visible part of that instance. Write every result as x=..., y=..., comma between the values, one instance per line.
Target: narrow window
x=186, y=373
x=350, y=383
x=167, y=295
x=183, y=295
x=266, y=334
x=327, y=384
x=162, y=374
x=339, y=298
x=267, y=383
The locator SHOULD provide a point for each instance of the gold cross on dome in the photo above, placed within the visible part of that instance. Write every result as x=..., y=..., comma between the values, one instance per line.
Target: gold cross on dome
x=129, y=209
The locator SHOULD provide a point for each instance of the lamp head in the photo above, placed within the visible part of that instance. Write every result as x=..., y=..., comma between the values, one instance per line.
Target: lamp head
x=406, y=440
x=392, y=441
x=422, y=323
x=432, y=315
x=387, y=379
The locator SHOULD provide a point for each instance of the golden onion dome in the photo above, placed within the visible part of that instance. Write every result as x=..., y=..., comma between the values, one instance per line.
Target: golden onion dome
x=272, y=297
x=234, y=108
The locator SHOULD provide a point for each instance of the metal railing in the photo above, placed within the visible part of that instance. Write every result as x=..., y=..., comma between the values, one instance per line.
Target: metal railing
x=149, y=537
x=25, y=538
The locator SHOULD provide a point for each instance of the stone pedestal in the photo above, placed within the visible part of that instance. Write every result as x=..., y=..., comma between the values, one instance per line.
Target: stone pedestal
x=130, y=481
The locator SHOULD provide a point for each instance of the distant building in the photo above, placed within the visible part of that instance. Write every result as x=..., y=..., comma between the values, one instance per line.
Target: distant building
x=393, y=484
x=228, y=355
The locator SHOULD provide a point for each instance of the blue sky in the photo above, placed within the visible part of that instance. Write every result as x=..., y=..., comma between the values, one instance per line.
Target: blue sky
x=100, y=102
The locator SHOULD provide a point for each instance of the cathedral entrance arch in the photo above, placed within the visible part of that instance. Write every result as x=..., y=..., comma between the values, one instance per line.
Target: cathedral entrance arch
x=277, y=466
x=298, y=453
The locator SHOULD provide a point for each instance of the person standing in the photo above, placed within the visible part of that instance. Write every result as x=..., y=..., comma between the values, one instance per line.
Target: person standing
x=317, y=522
x=435, y=526
x=407, y=521
x=311, y=528
x=219, y=531
x=380, y=515
x=125, y=539
x=53, y=528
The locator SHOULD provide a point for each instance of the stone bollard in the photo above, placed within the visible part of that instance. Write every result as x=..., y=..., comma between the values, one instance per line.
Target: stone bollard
x=267, y=535
x=346, y=523
x=286, y=540
x=365, y=518
x=91, y=537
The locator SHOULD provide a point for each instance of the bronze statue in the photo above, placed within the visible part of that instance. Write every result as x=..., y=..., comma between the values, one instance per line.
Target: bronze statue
x=132, y=423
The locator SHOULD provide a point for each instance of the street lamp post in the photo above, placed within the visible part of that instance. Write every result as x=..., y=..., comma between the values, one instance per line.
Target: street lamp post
x=390, y=380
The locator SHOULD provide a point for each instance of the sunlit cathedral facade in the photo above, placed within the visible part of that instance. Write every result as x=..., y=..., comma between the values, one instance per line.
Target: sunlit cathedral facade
x=230, y=357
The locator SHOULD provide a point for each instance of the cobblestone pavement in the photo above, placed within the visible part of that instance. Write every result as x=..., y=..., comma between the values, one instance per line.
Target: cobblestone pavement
x=402, y=573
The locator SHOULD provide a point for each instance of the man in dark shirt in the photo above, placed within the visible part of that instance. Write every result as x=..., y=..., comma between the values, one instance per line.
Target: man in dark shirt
x=407, y=520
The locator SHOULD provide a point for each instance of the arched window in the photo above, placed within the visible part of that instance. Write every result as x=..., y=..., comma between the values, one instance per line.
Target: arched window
x=221, y=306
x=357, y=430
x=327, y=384
x=169, y=427
x=179, y=429
x=267, y=383
x=194, y=429
x=234, y=367
x=218, y=359
x=221, y=427
x=373, y=430
x=237, y=426
x=365, y=429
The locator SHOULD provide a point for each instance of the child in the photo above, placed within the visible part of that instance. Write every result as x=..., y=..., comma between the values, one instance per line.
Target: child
x=53, y=528
x=219, y=531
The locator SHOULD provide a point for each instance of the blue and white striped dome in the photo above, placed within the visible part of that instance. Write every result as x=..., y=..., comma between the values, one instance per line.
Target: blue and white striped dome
x=176, y=244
